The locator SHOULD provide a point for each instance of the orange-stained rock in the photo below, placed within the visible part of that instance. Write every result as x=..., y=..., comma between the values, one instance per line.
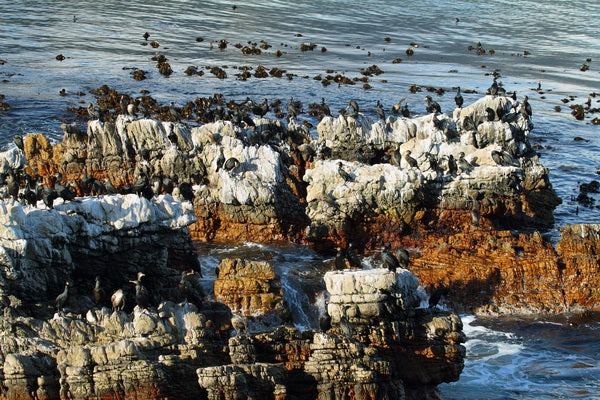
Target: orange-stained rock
x=249, y=288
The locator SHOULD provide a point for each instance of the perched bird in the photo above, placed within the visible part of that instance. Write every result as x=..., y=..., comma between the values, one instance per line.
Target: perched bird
x=123, y=103
x=174, y=115
x=493, y=90
x=396, y=107
x=352, y=257
x=462, y=163
x=500, y=111
x=142, y=296
x=379, y=110
x=220, y=161
x=294, y=108
x=156, y=185
x=436, y=296
x=410, y=161
x=324, y=107
x=240, y=324
x=18, y=141
x=354, y=105
x=12, y=184
x=98, y=292
x=501, y=158
x=345, y=327
x=468, y=124
x=388, y=259
x=117, y=300
x=437, y=122
x=260, y=109
x=431, y=105
x=345, y=175
x=458, y=99
x=403, y=257
x=396, y=158
x=62, y=298
x=110, y=188
x=186, y=191
x=490, y=114
x=405, y=111
x=231, y=164
x=146, y=35
x=339, y=262
x=526, y=107
x=48, y=196
x=475, y=213
x=325, y=321
x=93, y=112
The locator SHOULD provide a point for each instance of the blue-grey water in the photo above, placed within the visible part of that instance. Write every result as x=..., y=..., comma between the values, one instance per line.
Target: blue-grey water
x=537, y=42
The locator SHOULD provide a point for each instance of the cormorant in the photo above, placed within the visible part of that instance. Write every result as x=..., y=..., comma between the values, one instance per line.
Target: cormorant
x=339, y=262
x=475, y=213
x=388, y=259
x=110, y=188
x=240, y=324
x=354, y=105
x=142, y=296
x=140, y=184
x=117, y=300
x=437, y=123
x=451, y=164
x=501, y=158
x=345, y=327
x=490, y=114
x=345, y=176
x=500, y=111
x=432, y=106
x=379, y=110
x=526, y=107
x=403, y=257
x=12, y=185
x=468, y=123
x=188, y=289
x=293, y=108
x=325, y=321
x=146, y=35
x=397, y=107
x=493, y=90
x=186, y=191
x=62, y=298
x=462, y=164
x=458, y=99
x=93, y=112
x=48, y=196
x=436, y=295
x=352, y=257
x=324, y=107
x=174, y=115
x=231, y=164
x=18, y=141
x=123, y=103
x=260, y=109
x=156, y=185
x=412, y=163
x=396, y=158
x=405, y=111
x=98, y=292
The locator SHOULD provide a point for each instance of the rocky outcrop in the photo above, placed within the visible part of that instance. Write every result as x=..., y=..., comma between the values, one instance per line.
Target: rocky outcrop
x=251, y=289
x=113, y=237
x=380, y=345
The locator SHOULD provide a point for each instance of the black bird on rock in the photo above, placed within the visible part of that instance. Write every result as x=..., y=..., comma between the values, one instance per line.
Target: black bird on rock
x=324, y=107
x=412, y=163
x=62, y=298
x=468, y=124
x=345, y=175
x=186, y=191
x=436, y=296
x=339, y=262
x=490, y=114
x=142, y=295
x=93, y=112
x=12, y=184
x=48, y=196
x=188, y=288
x=117, y=300
x=231, y=164
x=458, y=99
x=325, y=321
x=174, y=115
x=379, y=110
x=432, y=105
x=388, y=259
x=501, y=158
x=261, y=109
x=526, y=107
x=403, y=257
x=98, y=292
x=18, y=141
x=493, y=90
x=352, y=257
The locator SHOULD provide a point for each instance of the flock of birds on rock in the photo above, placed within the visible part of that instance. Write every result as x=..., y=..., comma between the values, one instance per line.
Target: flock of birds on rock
x=188, y=290
x=347, y=258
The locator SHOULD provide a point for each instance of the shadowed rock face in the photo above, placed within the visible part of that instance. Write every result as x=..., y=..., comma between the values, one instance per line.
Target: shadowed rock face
x=386, y=348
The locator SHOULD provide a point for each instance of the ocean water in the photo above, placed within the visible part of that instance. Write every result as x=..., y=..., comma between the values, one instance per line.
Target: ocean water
x=536, y=43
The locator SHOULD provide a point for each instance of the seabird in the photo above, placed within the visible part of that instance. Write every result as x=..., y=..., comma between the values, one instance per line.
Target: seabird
x=396, y=158
x=98, y=292
x=405, y=111
x=493, y=90
x=403, y=257
x=293, y=108
x=18, y=141
x=174, y=115
x=396, y=107
x=345, y=327
x=354, y=105
x=490, y=114
x=62, y=298
x=12, y=185
x=451, y=164
x=462, y=164
x=436, y=295
x=93, y=112
x=220, y=161
x=146, y=35
x=260, y=109
x=412, y=163
x=468, y=124
x=156, y=185
x=231, y=164
x=379, y=110
x=110, y=188
x=526, y=107
x=458, y=99
x=501, y=158
x=186, y=191
x=500, y=111
x=352, y=257
x=142, y=296
x=48, y=196
x=325, y=321
x=123, y=103
x=117, y=300
x=432, y=106
x=339, y=262
x=324, y=107
x=240, y=324
x=345, y=175
x=437, y=123
x=388, y=259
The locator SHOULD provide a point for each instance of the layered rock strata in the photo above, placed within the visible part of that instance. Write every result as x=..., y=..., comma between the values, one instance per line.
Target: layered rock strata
x=379, y=346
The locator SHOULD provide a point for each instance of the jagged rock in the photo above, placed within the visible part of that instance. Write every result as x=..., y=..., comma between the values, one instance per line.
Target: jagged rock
x=250, y=288
x=41, y=249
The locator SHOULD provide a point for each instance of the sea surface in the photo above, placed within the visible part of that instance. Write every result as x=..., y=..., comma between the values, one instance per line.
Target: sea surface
x=539, y=49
